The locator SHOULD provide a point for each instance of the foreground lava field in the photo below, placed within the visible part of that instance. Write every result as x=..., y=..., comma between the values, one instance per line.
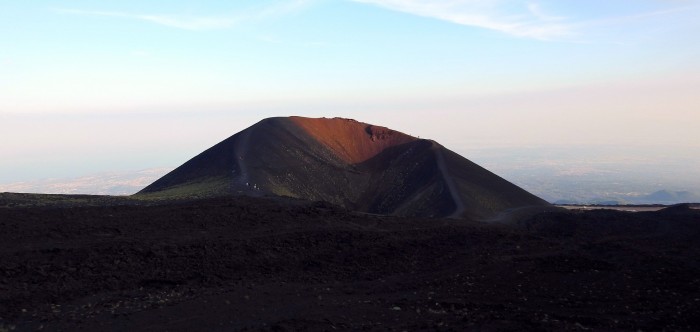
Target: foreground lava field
x=238, y=263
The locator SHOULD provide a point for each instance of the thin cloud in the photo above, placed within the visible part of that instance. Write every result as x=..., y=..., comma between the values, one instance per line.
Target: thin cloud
x=180, y=22
x=646, y=25
x=537, y=11
x=527, y=21
x=198, y=23
x=641, y=16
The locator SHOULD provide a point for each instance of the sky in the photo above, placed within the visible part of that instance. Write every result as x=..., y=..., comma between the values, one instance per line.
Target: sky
x=89, y=87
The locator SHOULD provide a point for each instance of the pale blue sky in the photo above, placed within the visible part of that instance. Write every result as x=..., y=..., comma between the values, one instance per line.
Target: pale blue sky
x=90, y=86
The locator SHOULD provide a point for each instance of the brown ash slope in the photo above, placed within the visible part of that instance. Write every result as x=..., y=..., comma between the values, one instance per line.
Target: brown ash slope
x=359, y=166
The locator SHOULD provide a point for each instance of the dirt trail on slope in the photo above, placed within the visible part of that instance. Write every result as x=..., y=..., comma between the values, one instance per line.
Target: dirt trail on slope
x=240, y=150
x=459, y=209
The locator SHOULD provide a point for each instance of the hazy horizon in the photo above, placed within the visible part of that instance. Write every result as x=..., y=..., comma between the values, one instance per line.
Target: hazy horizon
x=535, y=91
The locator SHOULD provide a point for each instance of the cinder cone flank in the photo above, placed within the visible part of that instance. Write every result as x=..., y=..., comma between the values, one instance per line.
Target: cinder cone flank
x=360, y=166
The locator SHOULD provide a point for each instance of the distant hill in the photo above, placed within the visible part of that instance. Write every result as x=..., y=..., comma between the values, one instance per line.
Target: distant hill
x=667, y=197
x=664, y=197
x=359, y=166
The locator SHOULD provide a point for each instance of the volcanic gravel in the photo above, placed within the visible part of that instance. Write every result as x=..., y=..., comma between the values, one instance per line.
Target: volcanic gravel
x=238, y=263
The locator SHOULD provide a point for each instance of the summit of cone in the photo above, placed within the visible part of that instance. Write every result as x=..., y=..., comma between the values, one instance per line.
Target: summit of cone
x=350, y=140
x=356, y=165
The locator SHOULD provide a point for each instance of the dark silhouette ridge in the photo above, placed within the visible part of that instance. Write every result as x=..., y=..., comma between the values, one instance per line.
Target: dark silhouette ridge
x=359, y=166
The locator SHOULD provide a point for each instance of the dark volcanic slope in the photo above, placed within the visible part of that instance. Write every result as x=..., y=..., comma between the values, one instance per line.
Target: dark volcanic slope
x=353, y=164
x=253, y=264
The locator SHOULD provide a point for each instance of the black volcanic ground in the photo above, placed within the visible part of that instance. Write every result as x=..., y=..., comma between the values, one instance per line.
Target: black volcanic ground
x=359, y=166
x=248, y=264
